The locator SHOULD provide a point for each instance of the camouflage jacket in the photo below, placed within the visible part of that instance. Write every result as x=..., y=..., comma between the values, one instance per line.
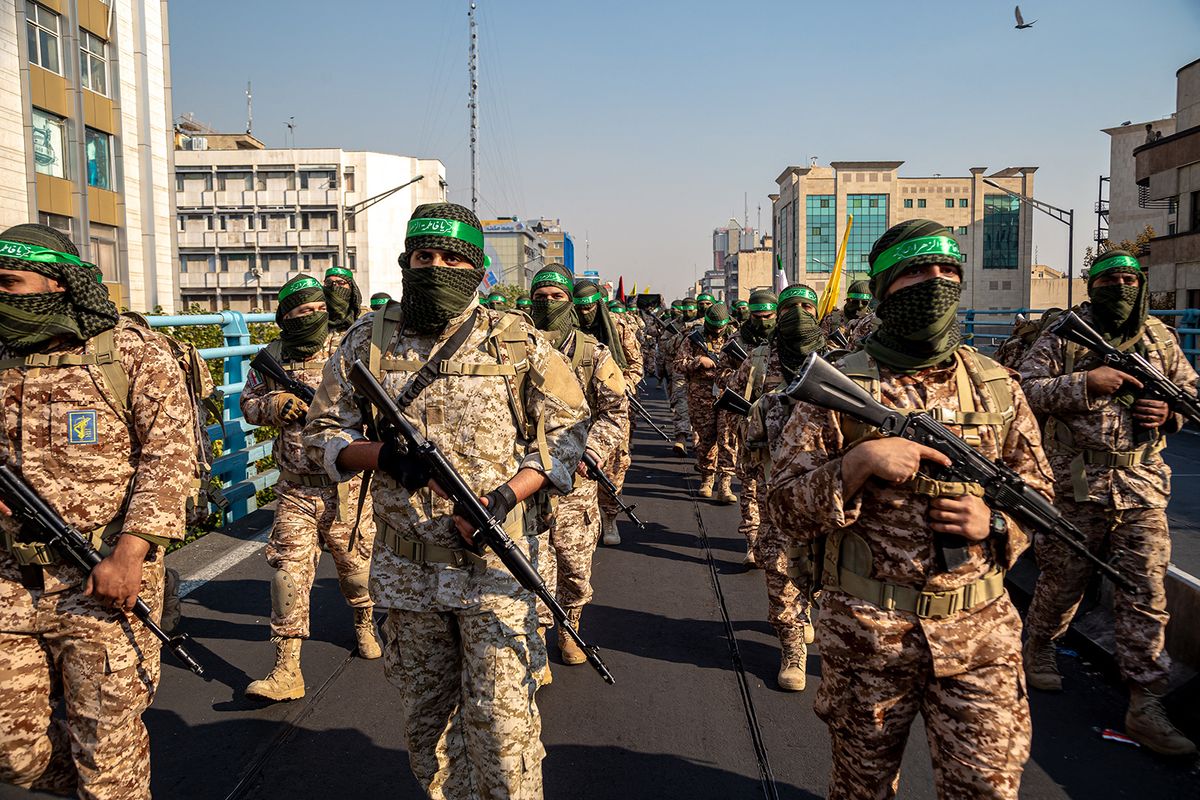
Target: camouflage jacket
x=807, y=499
x=688, y=355
x=1099, y=423
x=288, y=448
x=605, y=394
x=470, y=418
x=860, y=329
x=632, y=348
x=71, y=440
x=835, y=320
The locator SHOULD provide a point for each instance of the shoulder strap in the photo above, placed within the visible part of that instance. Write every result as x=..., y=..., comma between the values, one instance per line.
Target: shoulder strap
x=758, y=371
x=584, y=356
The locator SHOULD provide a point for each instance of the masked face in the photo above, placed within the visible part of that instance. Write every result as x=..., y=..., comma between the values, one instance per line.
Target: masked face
x=302, y=336
x=587, y=314
x=435, y=295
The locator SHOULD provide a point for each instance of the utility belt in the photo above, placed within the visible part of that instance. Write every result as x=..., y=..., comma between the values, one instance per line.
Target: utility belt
x=1060, y=440
x=423, y=552
x=926, y=605
x=320, y=480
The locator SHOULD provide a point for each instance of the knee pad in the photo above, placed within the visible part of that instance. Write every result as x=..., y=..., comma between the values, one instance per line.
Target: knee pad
x=285, y=595
x=355, y=585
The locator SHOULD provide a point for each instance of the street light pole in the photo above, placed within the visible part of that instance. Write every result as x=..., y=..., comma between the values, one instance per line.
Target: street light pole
x=1066, y=217
x=363, y=205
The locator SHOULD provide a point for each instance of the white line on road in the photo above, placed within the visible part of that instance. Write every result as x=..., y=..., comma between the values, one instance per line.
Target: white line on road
x=233, y=557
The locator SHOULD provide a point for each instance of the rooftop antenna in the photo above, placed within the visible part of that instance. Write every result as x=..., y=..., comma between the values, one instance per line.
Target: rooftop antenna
x=249, y=109
x=473, y=104
x=291, y=126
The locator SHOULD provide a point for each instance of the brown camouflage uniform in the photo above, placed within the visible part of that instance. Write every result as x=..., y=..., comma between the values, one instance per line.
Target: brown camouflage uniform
x=313, y=513
x=618, y=461
x=731, y=430
x=860, y=329
x=1121, y=510
x=681, y=424
x=575, y=526
x=788, y=588
x=63, y=432
x=881, y=668
x=712, y=455
x=834, y=321
x=460, y=642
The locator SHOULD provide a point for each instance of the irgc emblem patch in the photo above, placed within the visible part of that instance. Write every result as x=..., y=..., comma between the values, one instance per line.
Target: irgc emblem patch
x=81, y=427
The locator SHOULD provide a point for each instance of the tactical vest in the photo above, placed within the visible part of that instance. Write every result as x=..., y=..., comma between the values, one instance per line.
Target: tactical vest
x=1058, y=439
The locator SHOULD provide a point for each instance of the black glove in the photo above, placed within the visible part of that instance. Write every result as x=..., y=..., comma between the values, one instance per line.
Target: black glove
x=500, y=502
x=408, y=470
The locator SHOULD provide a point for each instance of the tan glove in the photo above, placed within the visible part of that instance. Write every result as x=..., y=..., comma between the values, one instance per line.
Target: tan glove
x=287, y=408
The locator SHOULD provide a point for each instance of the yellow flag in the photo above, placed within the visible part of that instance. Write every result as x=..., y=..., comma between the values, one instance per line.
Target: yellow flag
x=829, y=298
x=634, y=289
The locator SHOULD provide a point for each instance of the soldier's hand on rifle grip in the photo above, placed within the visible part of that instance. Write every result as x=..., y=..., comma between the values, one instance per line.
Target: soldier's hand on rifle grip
x=966, y=516
x=706, y=363
x=408, y=471
x=499, y=501
x=1151, y=413
x=581, y=469
x=889, y=459
x=117, y=579
x=5, y=510
x=1103, y=381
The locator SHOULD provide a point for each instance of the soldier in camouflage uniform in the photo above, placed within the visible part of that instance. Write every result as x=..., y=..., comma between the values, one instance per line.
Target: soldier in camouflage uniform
x=768, y=370
x=313, y=512
x=575, y=526
x=1012, y=350
x=343, y=301
x=109, y=445
x=681, y=423
x=620, y=337
x=857, y=305
x=696, y=360
x=901, y=634
x=1105, y=442
x=858, y=330
x=460, y=640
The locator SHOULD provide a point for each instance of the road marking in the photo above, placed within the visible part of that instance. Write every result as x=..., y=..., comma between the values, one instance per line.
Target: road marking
x=232, y=558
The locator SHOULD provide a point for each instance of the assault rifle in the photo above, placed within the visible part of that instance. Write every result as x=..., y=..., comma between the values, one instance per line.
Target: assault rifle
x=644, y=414
x=1004, y=490
x=266, y=364
x=597, y=474
x=488, y=531
x=1154, y=384
x=839, y=340
x=37, y=517
x=734, y=403
x=736, y=352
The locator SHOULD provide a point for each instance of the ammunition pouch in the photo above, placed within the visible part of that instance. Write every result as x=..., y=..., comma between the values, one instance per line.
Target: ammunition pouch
x=42, y=555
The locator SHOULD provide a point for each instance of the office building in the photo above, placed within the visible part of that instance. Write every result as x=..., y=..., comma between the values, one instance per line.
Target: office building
x=516, y=249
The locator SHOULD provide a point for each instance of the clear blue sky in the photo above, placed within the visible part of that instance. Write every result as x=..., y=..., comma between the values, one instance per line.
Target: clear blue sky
x=643, y=124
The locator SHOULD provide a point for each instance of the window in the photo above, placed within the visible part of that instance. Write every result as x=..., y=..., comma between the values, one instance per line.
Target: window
x=908, y=202
x=49, y=154
x=41, y=25
x=921, y=202
x=949, y=203
x=870, y=221
x=1195, y=223
x=1001, y=227
x=234, y=181
x=962, y=230
x=93, y=62
x=962, y=202
x=348, y=178
x=56, y=221
x=821, y=242
x=98, y=147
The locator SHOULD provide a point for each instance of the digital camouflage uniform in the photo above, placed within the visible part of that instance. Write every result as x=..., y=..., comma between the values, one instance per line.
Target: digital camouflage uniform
x=1121, y=510
x=860, y=329
x=835, y=321
x=618, y=461
x=66, y=433
x=460, y=641
x=880, y=668
x=681, y=423
x=712, y=455
x=313, y=512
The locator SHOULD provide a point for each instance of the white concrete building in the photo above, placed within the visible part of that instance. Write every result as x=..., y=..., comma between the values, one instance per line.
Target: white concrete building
x=1129, y=208
x=86, y=137
x=250, y=219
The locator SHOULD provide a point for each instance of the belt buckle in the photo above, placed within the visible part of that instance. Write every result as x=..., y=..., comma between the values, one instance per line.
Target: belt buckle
x=418, y=550
x=921, y=607
x=460, y=558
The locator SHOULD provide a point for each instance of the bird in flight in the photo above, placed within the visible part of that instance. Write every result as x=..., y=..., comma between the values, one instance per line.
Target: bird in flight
x=1021, y=23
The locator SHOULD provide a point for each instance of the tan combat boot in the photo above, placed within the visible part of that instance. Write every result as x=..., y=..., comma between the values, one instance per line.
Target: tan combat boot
x=793, y=665
x=571, y=654
x=170, y=610
x=364, y=631
x=706, y=485
x=724, y=492
x=1147, y=722
x=609, y=534
x=1041, y=664
x=810, y=631
x=285, y=681
x=680, y=449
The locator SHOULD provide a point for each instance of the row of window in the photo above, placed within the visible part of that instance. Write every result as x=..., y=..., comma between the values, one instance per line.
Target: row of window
x=270, y=221
x=50, y=152
x=43, y=30
x=263, y=180
x=962, y=202
x=268, y=262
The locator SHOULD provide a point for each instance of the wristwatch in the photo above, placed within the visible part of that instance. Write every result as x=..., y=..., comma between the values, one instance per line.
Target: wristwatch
x=998, y=525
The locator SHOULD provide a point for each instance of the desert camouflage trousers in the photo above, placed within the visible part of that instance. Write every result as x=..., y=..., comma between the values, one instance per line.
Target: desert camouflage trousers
x=574, y=532
x=615, y=466
x=788, y=596
x=749, y=474
x=681, y=425
x=306, y=522
x=1137, y=542
x=63, y=648
x=466, y=681
x=873, y=685
x=714, y=450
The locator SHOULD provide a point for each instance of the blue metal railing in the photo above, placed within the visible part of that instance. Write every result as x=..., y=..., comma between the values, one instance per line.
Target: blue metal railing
x=236, y=464
x=987, y=334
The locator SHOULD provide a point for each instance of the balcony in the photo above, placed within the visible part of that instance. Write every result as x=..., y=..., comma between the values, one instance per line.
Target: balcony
x=318, y=197
x=319, y=239
x=278, y=238
x=236, y=197
x=201, y=239
x=239, y=239
x=271, y=197
x=1166, y=154
x=194, y=199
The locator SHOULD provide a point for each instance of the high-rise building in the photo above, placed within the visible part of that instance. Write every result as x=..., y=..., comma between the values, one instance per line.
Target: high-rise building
x=560, y=245
x=1168, y=174
x=1128, y=210
x=993, y=229
x=516, y=249
x=250, y=218
x=85, y=136
x=749, y=269
x=732, y=239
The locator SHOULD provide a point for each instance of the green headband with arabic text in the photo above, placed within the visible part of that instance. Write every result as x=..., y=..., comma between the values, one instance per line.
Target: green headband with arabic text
x=919, y=246
x=43, y=255
x=451, y=229
x=802, y=292
x=1104, y=264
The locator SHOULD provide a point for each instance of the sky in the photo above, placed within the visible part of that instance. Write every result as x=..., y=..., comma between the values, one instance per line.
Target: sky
x=644, y=125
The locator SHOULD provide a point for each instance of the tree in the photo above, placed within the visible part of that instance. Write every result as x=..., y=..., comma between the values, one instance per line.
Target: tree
x=1138, y=246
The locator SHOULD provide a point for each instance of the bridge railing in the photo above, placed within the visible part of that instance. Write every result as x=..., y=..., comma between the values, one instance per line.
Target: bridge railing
x=239, y=451
x=985, y=330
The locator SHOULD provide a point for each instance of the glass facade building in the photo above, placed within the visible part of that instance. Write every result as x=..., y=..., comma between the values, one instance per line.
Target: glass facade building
x=821, y=233
x=870, y=213
x=1001, y=231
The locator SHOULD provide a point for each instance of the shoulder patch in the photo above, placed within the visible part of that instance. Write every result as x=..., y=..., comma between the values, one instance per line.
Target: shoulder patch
x=81, y=427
